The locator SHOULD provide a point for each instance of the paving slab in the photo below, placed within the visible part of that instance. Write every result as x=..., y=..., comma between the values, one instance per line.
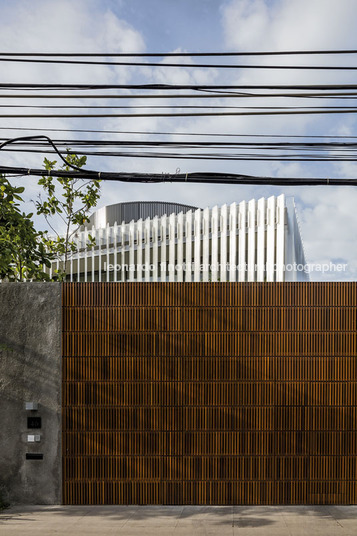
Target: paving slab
x=179, y=520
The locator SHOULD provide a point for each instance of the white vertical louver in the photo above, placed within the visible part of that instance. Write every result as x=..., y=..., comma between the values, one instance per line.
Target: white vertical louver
x=261, y=241
x=244, y=242
x=214, y=243
x=271, y=238
x=197, y=245
x=188, y=249
x=205, y=244
x=233, y=259
x=179, y=256
x=251, y=274
x=223, y=248
x=155, y=248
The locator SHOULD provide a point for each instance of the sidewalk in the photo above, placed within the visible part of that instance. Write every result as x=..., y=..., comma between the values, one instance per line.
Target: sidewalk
x=179, y=520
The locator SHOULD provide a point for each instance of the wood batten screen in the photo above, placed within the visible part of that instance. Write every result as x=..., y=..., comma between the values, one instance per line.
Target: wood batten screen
x=209, y=393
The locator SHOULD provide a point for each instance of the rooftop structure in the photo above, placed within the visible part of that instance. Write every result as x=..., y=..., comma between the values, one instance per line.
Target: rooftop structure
x=257, y=240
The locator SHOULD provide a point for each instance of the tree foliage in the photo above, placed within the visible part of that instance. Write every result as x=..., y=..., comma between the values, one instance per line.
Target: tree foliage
x=23, y=250
x=71, y=200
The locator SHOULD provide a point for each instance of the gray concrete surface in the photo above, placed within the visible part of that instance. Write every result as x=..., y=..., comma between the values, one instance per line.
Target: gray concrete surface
x=30, y=371
x=180, y=520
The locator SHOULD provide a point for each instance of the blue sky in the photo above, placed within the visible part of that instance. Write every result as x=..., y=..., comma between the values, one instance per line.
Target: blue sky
x=172, y=24
x=328, y=216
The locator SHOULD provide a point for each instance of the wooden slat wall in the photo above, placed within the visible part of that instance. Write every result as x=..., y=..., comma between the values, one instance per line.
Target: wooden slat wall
x=209, y=393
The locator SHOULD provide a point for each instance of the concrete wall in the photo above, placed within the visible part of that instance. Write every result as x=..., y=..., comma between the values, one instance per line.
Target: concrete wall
x=30, y=371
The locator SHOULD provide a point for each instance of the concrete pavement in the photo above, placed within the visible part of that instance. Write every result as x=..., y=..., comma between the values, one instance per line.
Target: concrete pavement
x=179, y=520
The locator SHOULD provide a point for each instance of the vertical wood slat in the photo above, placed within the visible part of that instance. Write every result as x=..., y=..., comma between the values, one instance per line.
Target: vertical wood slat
x=209, y=393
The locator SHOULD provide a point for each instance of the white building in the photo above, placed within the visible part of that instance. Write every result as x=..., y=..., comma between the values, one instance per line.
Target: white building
x=247, y=241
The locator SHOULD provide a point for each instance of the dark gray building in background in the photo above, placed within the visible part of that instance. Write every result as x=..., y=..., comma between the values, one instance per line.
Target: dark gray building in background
x=134, y=210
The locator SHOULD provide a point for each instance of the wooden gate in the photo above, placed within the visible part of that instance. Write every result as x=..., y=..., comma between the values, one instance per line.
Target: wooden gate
x=209, y=393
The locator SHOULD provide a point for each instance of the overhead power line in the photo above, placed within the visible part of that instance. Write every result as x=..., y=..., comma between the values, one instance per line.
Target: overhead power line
x=172, y=133
x=177, y=54
x=175, y=87
x=196, y=177
x=169, y=106
x=251, y=157
x=215, y=150
x=182, y=114
x=181, y=65
x=206, y=95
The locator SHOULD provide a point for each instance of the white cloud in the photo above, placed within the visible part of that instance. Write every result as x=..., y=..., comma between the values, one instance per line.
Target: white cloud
x=328, y=215
x=328, y=219
x=66, y=26
x=289, y=24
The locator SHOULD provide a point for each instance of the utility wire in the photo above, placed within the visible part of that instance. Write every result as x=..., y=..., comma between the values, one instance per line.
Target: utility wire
x=177, y=54
x=180, y=114
x=185, y=144
x=172, y=133
x=175, y=87
x=32, y=138
x=170, y=107
x=211, y=95
x=210, y=156
x=196, y=177
x=183, y=65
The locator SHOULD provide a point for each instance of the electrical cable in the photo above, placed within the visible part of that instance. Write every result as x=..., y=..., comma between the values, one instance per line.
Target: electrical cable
x=180, y=114
x=350, y=157
x=174, y=87
x=195, y=177
x=181, y=54
x=193, y=134
x=173, y=107
x=194, y=144
x=178, y=54
x=30, y=138
x=182, y=65
x=206, y=95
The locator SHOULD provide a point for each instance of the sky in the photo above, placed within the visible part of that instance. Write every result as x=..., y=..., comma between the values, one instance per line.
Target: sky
x=327, y=215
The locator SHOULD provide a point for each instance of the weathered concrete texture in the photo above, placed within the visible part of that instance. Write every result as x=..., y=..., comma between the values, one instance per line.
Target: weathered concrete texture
x=30, y=371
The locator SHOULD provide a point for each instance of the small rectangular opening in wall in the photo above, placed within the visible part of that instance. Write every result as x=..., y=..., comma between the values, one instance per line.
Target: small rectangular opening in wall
x=34, y=422
x=34, y=456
